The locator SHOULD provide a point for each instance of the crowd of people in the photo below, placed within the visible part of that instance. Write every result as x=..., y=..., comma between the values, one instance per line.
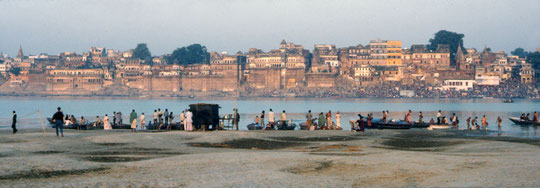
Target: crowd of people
x=323, y=121
x=512, y=88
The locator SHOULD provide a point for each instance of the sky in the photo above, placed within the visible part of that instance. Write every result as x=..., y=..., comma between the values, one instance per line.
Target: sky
x=55, y=26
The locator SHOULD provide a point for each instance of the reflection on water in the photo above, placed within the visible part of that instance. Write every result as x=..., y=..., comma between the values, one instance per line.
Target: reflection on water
x=249, y=108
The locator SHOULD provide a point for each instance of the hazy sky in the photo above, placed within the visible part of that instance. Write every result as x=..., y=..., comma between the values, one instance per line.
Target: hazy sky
x=54, y=26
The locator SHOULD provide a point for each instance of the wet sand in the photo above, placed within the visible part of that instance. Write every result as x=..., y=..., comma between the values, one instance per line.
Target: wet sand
x=384, y=158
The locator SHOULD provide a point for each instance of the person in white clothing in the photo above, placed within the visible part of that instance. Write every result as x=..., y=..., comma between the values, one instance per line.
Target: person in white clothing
x=271, y=118
x=106, y=123
x=189, y=121
x=141, y=118
x=182, y=119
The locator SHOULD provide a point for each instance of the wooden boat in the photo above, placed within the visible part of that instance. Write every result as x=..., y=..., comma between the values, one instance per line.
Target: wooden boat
x=89, y=125
x=284, y=125
x=254, y=126
x=508, y=101
x=439, y=126
x=174, y=126
x=392, y=124
x=519, y=121
x=303, y=125
x=420, y=125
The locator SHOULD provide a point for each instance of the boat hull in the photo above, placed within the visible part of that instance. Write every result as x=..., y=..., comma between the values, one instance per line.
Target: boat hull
x=518, y=121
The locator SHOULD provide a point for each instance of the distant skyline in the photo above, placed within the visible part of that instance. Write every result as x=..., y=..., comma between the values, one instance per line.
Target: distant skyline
x=55, y=26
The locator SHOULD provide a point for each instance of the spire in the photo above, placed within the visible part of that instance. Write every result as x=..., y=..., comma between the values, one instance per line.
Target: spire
x=20, y=54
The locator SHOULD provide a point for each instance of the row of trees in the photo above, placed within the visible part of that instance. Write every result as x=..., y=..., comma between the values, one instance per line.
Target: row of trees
x=192, y=54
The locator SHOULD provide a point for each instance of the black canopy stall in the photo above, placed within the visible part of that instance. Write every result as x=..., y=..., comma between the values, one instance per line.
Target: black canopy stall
x=205, y=115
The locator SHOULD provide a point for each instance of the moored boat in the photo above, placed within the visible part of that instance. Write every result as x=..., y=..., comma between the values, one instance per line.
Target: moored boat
x=508, y=101
x=284, y=125
x=439, y=126
x=392, y=124
x=420, y=125
x=519, y=121
x=253, y=126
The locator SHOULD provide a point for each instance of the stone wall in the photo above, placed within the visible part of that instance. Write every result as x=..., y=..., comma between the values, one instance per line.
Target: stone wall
x=209, y=83
x=320, y=79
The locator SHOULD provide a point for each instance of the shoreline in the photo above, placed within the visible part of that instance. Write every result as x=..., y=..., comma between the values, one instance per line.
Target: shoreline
x=219, y=98
x=120, y=158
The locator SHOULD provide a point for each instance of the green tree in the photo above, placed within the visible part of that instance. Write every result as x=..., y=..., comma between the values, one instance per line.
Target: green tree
x=142, y=52
x=534, y=59
x=15, y=71
x=519, y=52
x=192, y=54
x=453, y=40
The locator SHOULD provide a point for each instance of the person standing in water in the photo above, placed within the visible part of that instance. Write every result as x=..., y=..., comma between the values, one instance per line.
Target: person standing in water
x=484, y=123
x=14, y=122
x=499, y=121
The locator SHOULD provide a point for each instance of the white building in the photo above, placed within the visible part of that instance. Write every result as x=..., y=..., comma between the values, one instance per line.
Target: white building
x=363, y=70
x=458, y=85
x=485, y=80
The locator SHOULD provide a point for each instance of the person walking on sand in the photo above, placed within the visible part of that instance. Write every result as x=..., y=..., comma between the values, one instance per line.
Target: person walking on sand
x=499, y=121
x=271, y=119
x=338, y=121
x=106, y=123
x=141, y=119
x=308, y=120
x=133, y=120
x=58, y=120
x=14, y=122
x=189, y=121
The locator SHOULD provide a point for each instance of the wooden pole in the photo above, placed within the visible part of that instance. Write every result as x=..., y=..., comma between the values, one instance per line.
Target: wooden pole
x=234, y=111
x=42, y=125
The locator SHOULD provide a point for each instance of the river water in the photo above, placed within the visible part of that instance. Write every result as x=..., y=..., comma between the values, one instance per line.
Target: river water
x=296, y=108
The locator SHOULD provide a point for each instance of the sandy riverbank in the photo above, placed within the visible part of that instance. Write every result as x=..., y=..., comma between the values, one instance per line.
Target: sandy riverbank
x=267, y=159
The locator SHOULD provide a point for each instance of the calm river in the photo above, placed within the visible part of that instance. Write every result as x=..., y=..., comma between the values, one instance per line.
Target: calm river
x=295, y=108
